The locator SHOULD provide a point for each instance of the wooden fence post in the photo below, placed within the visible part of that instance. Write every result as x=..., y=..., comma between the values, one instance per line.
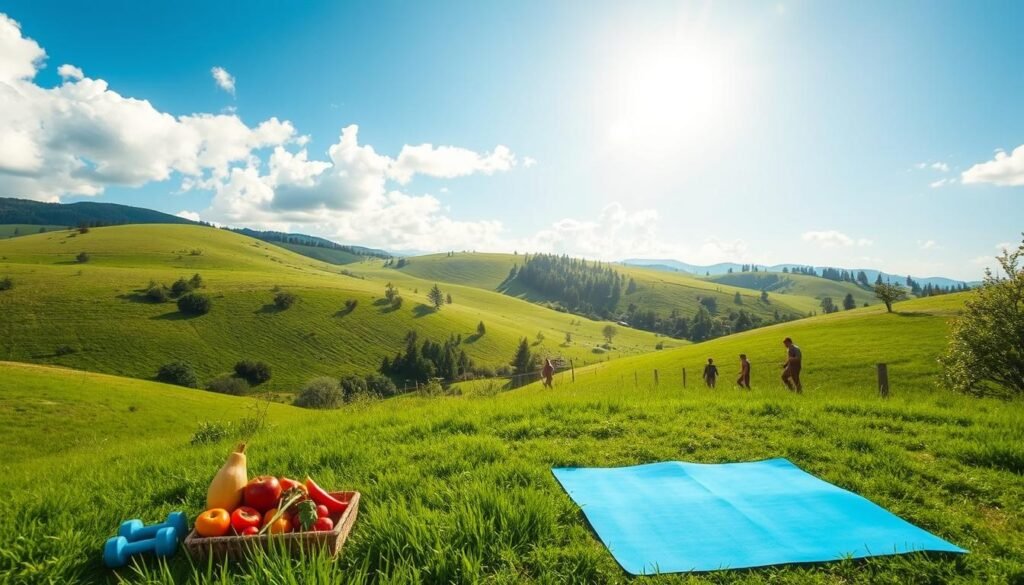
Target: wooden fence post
x=573, y=368
x=684, y=378
x=883, y=380
x=636, y=380
x=655, y=377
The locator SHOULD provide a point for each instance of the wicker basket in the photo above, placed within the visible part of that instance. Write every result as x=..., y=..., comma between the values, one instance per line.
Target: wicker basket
x=235, y=547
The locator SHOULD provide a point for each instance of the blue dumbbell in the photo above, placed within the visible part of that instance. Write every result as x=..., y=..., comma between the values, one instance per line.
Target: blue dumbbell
x=135, y=530
x=118, y=550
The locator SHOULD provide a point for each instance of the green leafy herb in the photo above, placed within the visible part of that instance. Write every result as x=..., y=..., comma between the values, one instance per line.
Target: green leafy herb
x=307, y=514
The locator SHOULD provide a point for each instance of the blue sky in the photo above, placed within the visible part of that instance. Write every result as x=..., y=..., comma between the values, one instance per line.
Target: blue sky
x=861, y=134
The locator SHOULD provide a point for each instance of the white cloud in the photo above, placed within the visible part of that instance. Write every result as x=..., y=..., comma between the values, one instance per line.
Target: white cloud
x=1006, y=246
x=192, y=215
x=834, y=239
x=20, y=56
x=1006, y=170
x=942, y=182
x=928, y=244
x=224, y=80
x=70, y=72
x=448, y=162
x=940, y=166
x=528, y=161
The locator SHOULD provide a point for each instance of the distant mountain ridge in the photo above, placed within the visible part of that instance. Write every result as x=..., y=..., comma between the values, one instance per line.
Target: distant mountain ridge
x=91, y=213
x=723, y=268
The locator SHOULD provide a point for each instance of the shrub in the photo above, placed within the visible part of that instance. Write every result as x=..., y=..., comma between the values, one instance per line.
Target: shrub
x=195, y=252
x=321, y=392
x=83, y=229
x=63, y=350
x=353, y=387
x=229, y=385
x=178, y=373
x=157, y=293
x=196, y=281
x=351, y=304
x=180, y=287
x=210, y=432
x=6, y=283
x=381, y=386
x=660, y=345
x=284, y=300
x=82, y=257
x=195, y=304
x=396, y=302
x=255, y=373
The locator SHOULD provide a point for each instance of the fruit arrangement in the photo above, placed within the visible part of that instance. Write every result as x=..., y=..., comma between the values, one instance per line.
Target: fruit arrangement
x=238, y=506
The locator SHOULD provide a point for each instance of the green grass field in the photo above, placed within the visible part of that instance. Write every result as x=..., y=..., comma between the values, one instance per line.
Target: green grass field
x=98, y=312
x=458, y=489
x=329, y=255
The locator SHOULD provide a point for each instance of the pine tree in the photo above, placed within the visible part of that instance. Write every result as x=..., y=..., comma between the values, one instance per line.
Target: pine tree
x=436, y=297
x=737, y=298
x=848, y=302
x=523, y=361
x=480, y=329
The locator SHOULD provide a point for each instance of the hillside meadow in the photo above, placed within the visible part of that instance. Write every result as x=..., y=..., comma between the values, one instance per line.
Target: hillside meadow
x=95, y=315
x=458, y=489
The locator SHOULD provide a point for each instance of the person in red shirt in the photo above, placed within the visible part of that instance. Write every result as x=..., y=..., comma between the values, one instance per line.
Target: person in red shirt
x=744, y=380
x=548, y=373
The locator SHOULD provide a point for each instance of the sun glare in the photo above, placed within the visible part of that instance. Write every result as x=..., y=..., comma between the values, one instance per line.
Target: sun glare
x=670, y=94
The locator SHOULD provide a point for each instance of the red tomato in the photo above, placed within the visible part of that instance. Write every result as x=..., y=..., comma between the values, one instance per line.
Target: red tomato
x=262, y=493
x=322, y=511
x=245, y=517
x=215, y=522
x=251, y=531
x=324, y=524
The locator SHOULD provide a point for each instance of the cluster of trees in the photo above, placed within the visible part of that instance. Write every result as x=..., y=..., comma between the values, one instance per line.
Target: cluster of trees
x=399, y=263
x=304, y=240
x=421, y=362
x=582, y=286
x=190, y=302
x=438, y=298
x=705, y=324
x=247, y=373
x=930, y=290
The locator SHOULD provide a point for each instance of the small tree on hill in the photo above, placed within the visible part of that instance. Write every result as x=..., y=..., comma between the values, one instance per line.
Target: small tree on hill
x=609, y=332
x=889, y=294
x=180, y=287
x=284, y=300
x=524, y=361
x=178, y=373
x=985, y=355
x=848, y=302
x=764, y=296
x=6, y=283
x=436, y=297
x=828, y=306
x=568, y=337
x=448, y=298
x=481, y=329
x=737, y=298
x=253, y=372
x=82, y=257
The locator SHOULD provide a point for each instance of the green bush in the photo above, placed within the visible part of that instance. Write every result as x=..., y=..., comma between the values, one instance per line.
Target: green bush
x=321, y=392
x=284, y=300
x=178, y=373
x=353, y=387
x=229, y=385
x=6, y=283
x=210, y=432
x=381, y=386
x=195, y=304
x=255, y=373
x=157, y=293
x=180, y=287
x=82, y=257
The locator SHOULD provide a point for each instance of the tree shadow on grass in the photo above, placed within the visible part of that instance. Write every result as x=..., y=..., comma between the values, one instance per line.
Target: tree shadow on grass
x=268, y=309
x=174, y=316
x=381, y=302
x=912, y=314
x=422, y=310
x=472, y=338
x=343, y=312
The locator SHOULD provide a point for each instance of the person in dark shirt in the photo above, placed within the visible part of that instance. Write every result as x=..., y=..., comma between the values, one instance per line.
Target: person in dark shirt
x=791, y=368
x=548, y=373
x=710, y=373
x=744, y=380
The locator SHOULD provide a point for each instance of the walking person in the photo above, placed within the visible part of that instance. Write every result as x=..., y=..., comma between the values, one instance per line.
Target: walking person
x=744, y=380
x=791, y=368
x=548, y=373
x=710, y=373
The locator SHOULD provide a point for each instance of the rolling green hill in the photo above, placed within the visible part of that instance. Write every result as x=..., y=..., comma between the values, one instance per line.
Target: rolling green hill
x=12, y=230
x=657, y=291
x=328, y=255
x=25, y=211
x=797, y=284
x=95, y=316
x=459, y=490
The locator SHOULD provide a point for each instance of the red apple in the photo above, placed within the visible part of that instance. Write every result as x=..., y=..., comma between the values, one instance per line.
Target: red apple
x=251, y=531
x=262, y=493
x=324, y=524
x=244, y=517
x=322, y=511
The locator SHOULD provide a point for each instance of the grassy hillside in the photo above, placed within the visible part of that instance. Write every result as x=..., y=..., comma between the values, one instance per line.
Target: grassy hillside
x=97, y=310
x=12, y=230
x=797, y=284
x=656, y=290
x=459, y=490
x=329, y=255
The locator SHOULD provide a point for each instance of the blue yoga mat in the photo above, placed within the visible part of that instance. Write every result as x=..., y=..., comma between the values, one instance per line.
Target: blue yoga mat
x=676, y=517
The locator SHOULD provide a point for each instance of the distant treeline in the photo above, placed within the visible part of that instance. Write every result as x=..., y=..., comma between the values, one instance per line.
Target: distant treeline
x=307, y=240
x=594, y=289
